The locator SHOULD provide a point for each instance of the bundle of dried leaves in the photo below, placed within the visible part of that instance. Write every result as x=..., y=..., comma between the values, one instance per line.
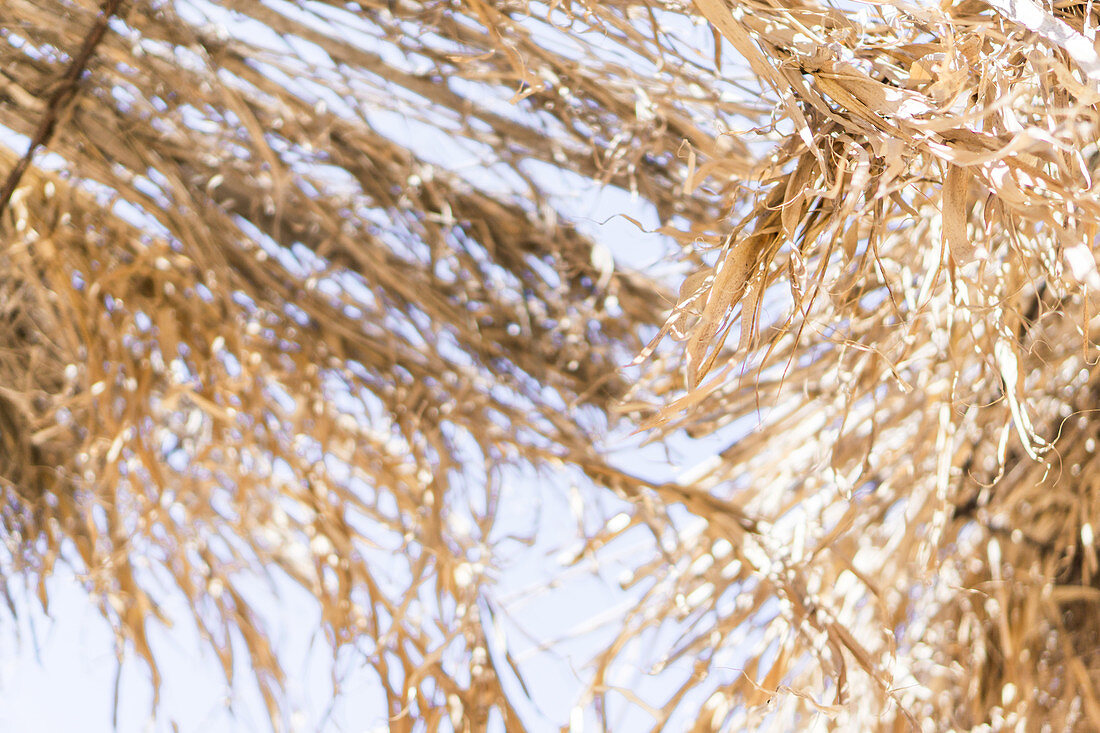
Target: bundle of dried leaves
x=250, y=323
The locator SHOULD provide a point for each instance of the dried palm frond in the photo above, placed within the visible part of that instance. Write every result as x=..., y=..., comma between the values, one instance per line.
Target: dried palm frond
x=293, y=283
x=914, y=284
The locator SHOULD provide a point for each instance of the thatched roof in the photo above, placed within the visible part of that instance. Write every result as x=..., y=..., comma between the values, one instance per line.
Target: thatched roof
x=255, y=318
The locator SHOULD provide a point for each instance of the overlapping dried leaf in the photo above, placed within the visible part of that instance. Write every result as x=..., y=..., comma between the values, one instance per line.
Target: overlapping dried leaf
x=251, y=319
x=915, y=286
